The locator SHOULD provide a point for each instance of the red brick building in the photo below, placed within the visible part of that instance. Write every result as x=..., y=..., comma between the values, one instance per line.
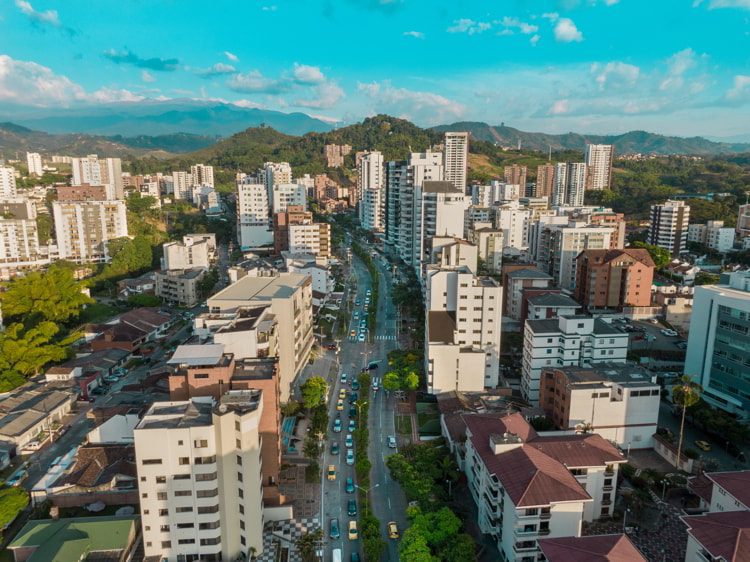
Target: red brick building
x=613, y=279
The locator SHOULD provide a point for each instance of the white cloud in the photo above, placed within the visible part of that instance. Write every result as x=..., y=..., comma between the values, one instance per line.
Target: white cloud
x=231, y=56
x=742, y=4
x=551, y=16
x=49, y=17
x=304, y=74
x=247, y=104
x=559, y=107
x=615, y=74
x=146, y=76
x=253, y=81
x=327, y=95
x=741, y=87
x=272, y=8
x=566, y=31
x=468, y=26
x=218, y=69
x=677, y=65
x=511, y=24
x=535, y=39
x=421, y=107
x=111, y=95
x=415, y=34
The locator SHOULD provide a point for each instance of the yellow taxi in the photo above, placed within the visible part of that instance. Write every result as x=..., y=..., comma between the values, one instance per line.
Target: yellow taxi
x=392, y=530
x=331, y=472
x=353, y=534
x=340, y=405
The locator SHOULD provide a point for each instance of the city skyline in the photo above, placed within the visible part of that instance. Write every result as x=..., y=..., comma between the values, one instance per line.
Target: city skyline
x=555, y=66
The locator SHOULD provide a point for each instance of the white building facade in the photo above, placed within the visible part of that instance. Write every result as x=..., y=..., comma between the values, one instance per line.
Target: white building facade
x=253, y=214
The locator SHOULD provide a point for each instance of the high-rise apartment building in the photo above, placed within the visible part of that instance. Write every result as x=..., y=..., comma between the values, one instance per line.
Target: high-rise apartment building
x=441, y=212
x=335, y=153
x=545, y=181
x=84, y=228
x=614, y=279
x=34, y=163
x=202, y=175
x=199, y=467
x=285, y=195
x=718, y=352
x=7, y=182
x=274, y=173
x=569, y=184
x=371, y=191
x=94, y=171
x=456, y=159
x=516, y=175
x=19, y=236
x=290, y=298
x=598, y=158
x=86, y=170
x=186, y=254
x=513, y=220
x=182, y=185
x=313, y=238
x=567, y=340
x=669, y=226
x=253, y=214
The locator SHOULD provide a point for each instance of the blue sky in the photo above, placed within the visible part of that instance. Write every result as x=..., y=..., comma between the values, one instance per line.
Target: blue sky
x=671, y=66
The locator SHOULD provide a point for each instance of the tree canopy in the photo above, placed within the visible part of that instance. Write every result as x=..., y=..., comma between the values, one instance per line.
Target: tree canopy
x=313, y=392
x=436, y=535
x=661, y=256
x=24, y=353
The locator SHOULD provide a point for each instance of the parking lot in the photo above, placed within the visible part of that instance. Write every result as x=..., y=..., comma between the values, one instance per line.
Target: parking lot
x=648, y=335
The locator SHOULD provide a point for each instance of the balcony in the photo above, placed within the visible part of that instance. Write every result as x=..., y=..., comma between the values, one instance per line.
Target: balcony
x=606, y=502
x=525, y=546
x=607, y=488
x=545, y=515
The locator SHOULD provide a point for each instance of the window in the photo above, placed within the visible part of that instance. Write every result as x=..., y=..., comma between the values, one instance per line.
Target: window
x=164, y=528
x=180, y=442
x=200, y=443
x=163, y=512
x=143, y=478
x=161, y=496
x=186, y=541
x=242, y=509
x=237, y=425
x=242, y=540
x=206, y=477
x=200, y=376
x=207, y=493
x=184, y=460
x=242, y=524
x=240, y=493
x=208, y=509
x=239, y=460
x=161, y=479
x=184, y=510
x=238, y=444
x=210, y=542
x=144, y=495
x=151, y=461
x=181, y=477
x=239, y=477
x=183, y=493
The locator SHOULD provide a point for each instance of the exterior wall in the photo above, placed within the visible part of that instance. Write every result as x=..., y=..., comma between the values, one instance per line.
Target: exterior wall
x=178, y=287
x=456, y=159
x=452, y=367
x=669, y=226
x=515, y=291
x=83, y=228
x=178, y=255
x=286, y=195
x=253, y=212
x=310, y=239
x=599, y=158
x=721, y=500
x=614, y=284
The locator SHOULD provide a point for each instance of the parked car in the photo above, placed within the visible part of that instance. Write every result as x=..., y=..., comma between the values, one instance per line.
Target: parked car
x=355, y=384
x=32, y=446
x=352, y=425
x=350, y=457
x=361, y=338
x=343, y=377
x=339, y=405
x=392, y=441
x=703, y=445
x=353, y=534
x=349, y=442
x=337, y=425
x=392, y=530
x=334, y=448
x=334, y=531
x=351, y=508
x=353, y=334
x=353, y=396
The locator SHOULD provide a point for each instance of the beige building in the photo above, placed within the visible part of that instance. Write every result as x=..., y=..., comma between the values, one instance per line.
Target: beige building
x=84, y=228
x=290, y=298
x=179, y=286
x=456, y=159
x=187, y=254
x=314, y=238
x=199, y=478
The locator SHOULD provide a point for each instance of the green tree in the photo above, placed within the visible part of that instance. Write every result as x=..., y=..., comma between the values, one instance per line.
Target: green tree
x=24, y=353
x=308, y=544
x=411, y=381
x=685, y=394
x=313, y=392
x=660, y=255
x=392, y=381
x=414, y=547
x=460, y=549
x=140, y=204
x=54, y=295
x=44, y=227
x=144, y=299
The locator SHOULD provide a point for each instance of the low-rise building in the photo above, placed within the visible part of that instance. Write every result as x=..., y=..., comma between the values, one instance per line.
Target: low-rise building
x=179, y=287
x=568, y=340
x=515, y=281
x=593, y=548
x=199, y=469
x=620, y=402
x=549, y=305
x=712, y=234
x=187, y=254
x=529, y=486
x=718, y=536
x=32, y=409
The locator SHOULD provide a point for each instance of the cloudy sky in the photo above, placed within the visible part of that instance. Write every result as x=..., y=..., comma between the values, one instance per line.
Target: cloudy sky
x=670, y=66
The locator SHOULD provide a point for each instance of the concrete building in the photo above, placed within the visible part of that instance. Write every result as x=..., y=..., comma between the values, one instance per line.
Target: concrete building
x=712, y=234
x=312, y=238
x=447, y=252
x=456, y=159
x=371, y=191
x=560, y=245
x=335, y=153
x=620, y=402
x=718, y=352
x=718, y=536
x=93, y=171
x=290, y=298
x=253, y=214
x=182, y=186
x=84, y=192
x=84, y=228
x=513, y=220
x=518, y=280
x=19, y=235
x=34, y=163
x=202, y=175
x=179, y=286
x=743, y=221
x=31, y=409
x=547, y=305
x=569, y=184
x=186, y=255
x=7, y=182
x=568, y=340
x=441, y=213
x=462, y=332
x=281, y=221
x=273, y=174
x=545, y=181
x=599, y=158
x=669, y=226
x=529, y=486
x=285, y=195
x=199, y=469
x=614, y=279
x=490, y=242
x=516, y=175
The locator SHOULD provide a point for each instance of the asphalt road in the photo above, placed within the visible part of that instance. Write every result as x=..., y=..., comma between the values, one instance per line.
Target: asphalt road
x=387, y=500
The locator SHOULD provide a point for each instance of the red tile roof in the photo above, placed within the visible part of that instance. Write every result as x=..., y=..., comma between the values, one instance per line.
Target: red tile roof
x=530, y=476
x=578, y=450
x=701, y=486
x=736, y=483
x=722, y=534
x=597, y=548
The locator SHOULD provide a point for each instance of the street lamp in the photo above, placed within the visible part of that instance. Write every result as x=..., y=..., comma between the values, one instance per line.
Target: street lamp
x=663, y=488
x=359, y=404
x=625, y=519
x=367, y=492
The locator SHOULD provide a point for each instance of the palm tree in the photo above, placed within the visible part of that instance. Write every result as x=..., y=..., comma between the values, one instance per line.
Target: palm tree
x=685, y=393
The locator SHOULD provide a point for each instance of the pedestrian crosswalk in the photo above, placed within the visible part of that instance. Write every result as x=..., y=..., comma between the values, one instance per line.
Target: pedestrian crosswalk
x=387, y=337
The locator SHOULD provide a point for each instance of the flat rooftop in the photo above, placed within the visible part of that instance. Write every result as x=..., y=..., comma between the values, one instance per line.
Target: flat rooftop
x=627, y=374
x=175, y=415
x=260, y=288
x=210, y=354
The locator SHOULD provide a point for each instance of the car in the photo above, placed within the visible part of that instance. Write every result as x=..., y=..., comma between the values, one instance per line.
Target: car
x=349, y=486
x=32, y=446
x=375, y=384
x=353, y=534
x=354, y=557
x=339, y=405
x=372, y=365
x=653, y=321
x=352, y=425
x=361, y=338
x=353, y=397
x=331, y=346
x=331, y=472
x=392, y=441
x=334, y=448
x=342, y=394
x=350, y=457
x=703, y=445
x=337, y=425
x=356, y=314
x=355, y=384
x=392, y=530
x=351, y=508
x=669, y=333
x=368, y=292
x=352, y=412
x=358, y=302
x=353, y=334
x=334, y=531
x=349, y=442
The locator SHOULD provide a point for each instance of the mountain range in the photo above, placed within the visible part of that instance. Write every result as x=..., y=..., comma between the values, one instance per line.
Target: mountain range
x=167, y=128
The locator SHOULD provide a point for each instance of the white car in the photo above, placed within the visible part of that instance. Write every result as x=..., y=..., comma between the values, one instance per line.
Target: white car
x=391, y=441
x=361, y=338
x=669, y=333
x=350, y=457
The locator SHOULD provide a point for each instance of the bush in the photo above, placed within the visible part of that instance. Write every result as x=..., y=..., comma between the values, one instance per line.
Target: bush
x=691, y=453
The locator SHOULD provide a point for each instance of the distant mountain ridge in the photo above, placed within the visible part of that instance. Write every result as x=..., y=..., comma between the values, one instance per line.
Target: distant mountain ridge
x=626, y=143
x=156, y=118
